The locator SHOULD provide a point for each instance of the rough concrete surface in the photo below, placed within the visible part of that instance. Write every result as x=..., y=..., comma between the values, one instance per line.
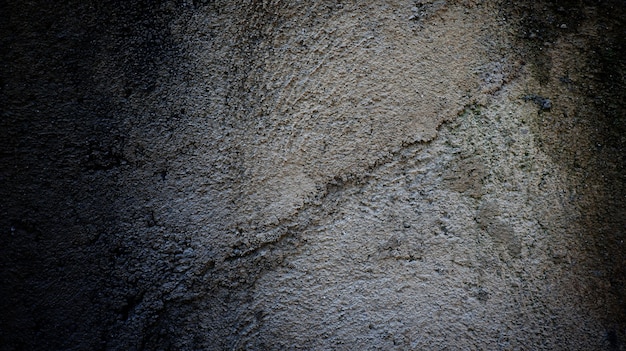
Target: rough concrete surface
x=320, y=175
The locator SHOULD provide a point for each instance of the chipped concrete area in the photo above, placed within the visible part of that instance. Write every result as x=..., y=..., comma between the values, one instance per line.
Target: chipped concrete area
x=325, y=175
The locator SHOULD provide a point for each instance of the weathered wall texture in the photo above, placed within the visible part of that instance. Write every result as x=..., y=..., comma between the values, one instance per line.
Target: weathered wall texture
x=319, y=175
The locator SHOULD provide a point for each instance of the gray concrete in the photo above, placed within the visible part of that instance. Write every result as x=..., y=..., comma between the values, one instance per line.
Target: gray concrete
x=410, y=175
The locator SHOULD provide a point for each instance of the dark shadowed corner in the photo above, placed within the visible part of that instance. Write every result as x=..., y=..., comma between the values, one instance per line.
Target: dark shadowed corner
x=577, y=51
x=75, y=79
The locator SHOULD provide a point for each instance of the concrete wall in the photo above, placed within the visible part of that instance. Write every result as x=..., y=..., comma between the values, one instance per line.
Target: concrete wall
x=209, y=175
